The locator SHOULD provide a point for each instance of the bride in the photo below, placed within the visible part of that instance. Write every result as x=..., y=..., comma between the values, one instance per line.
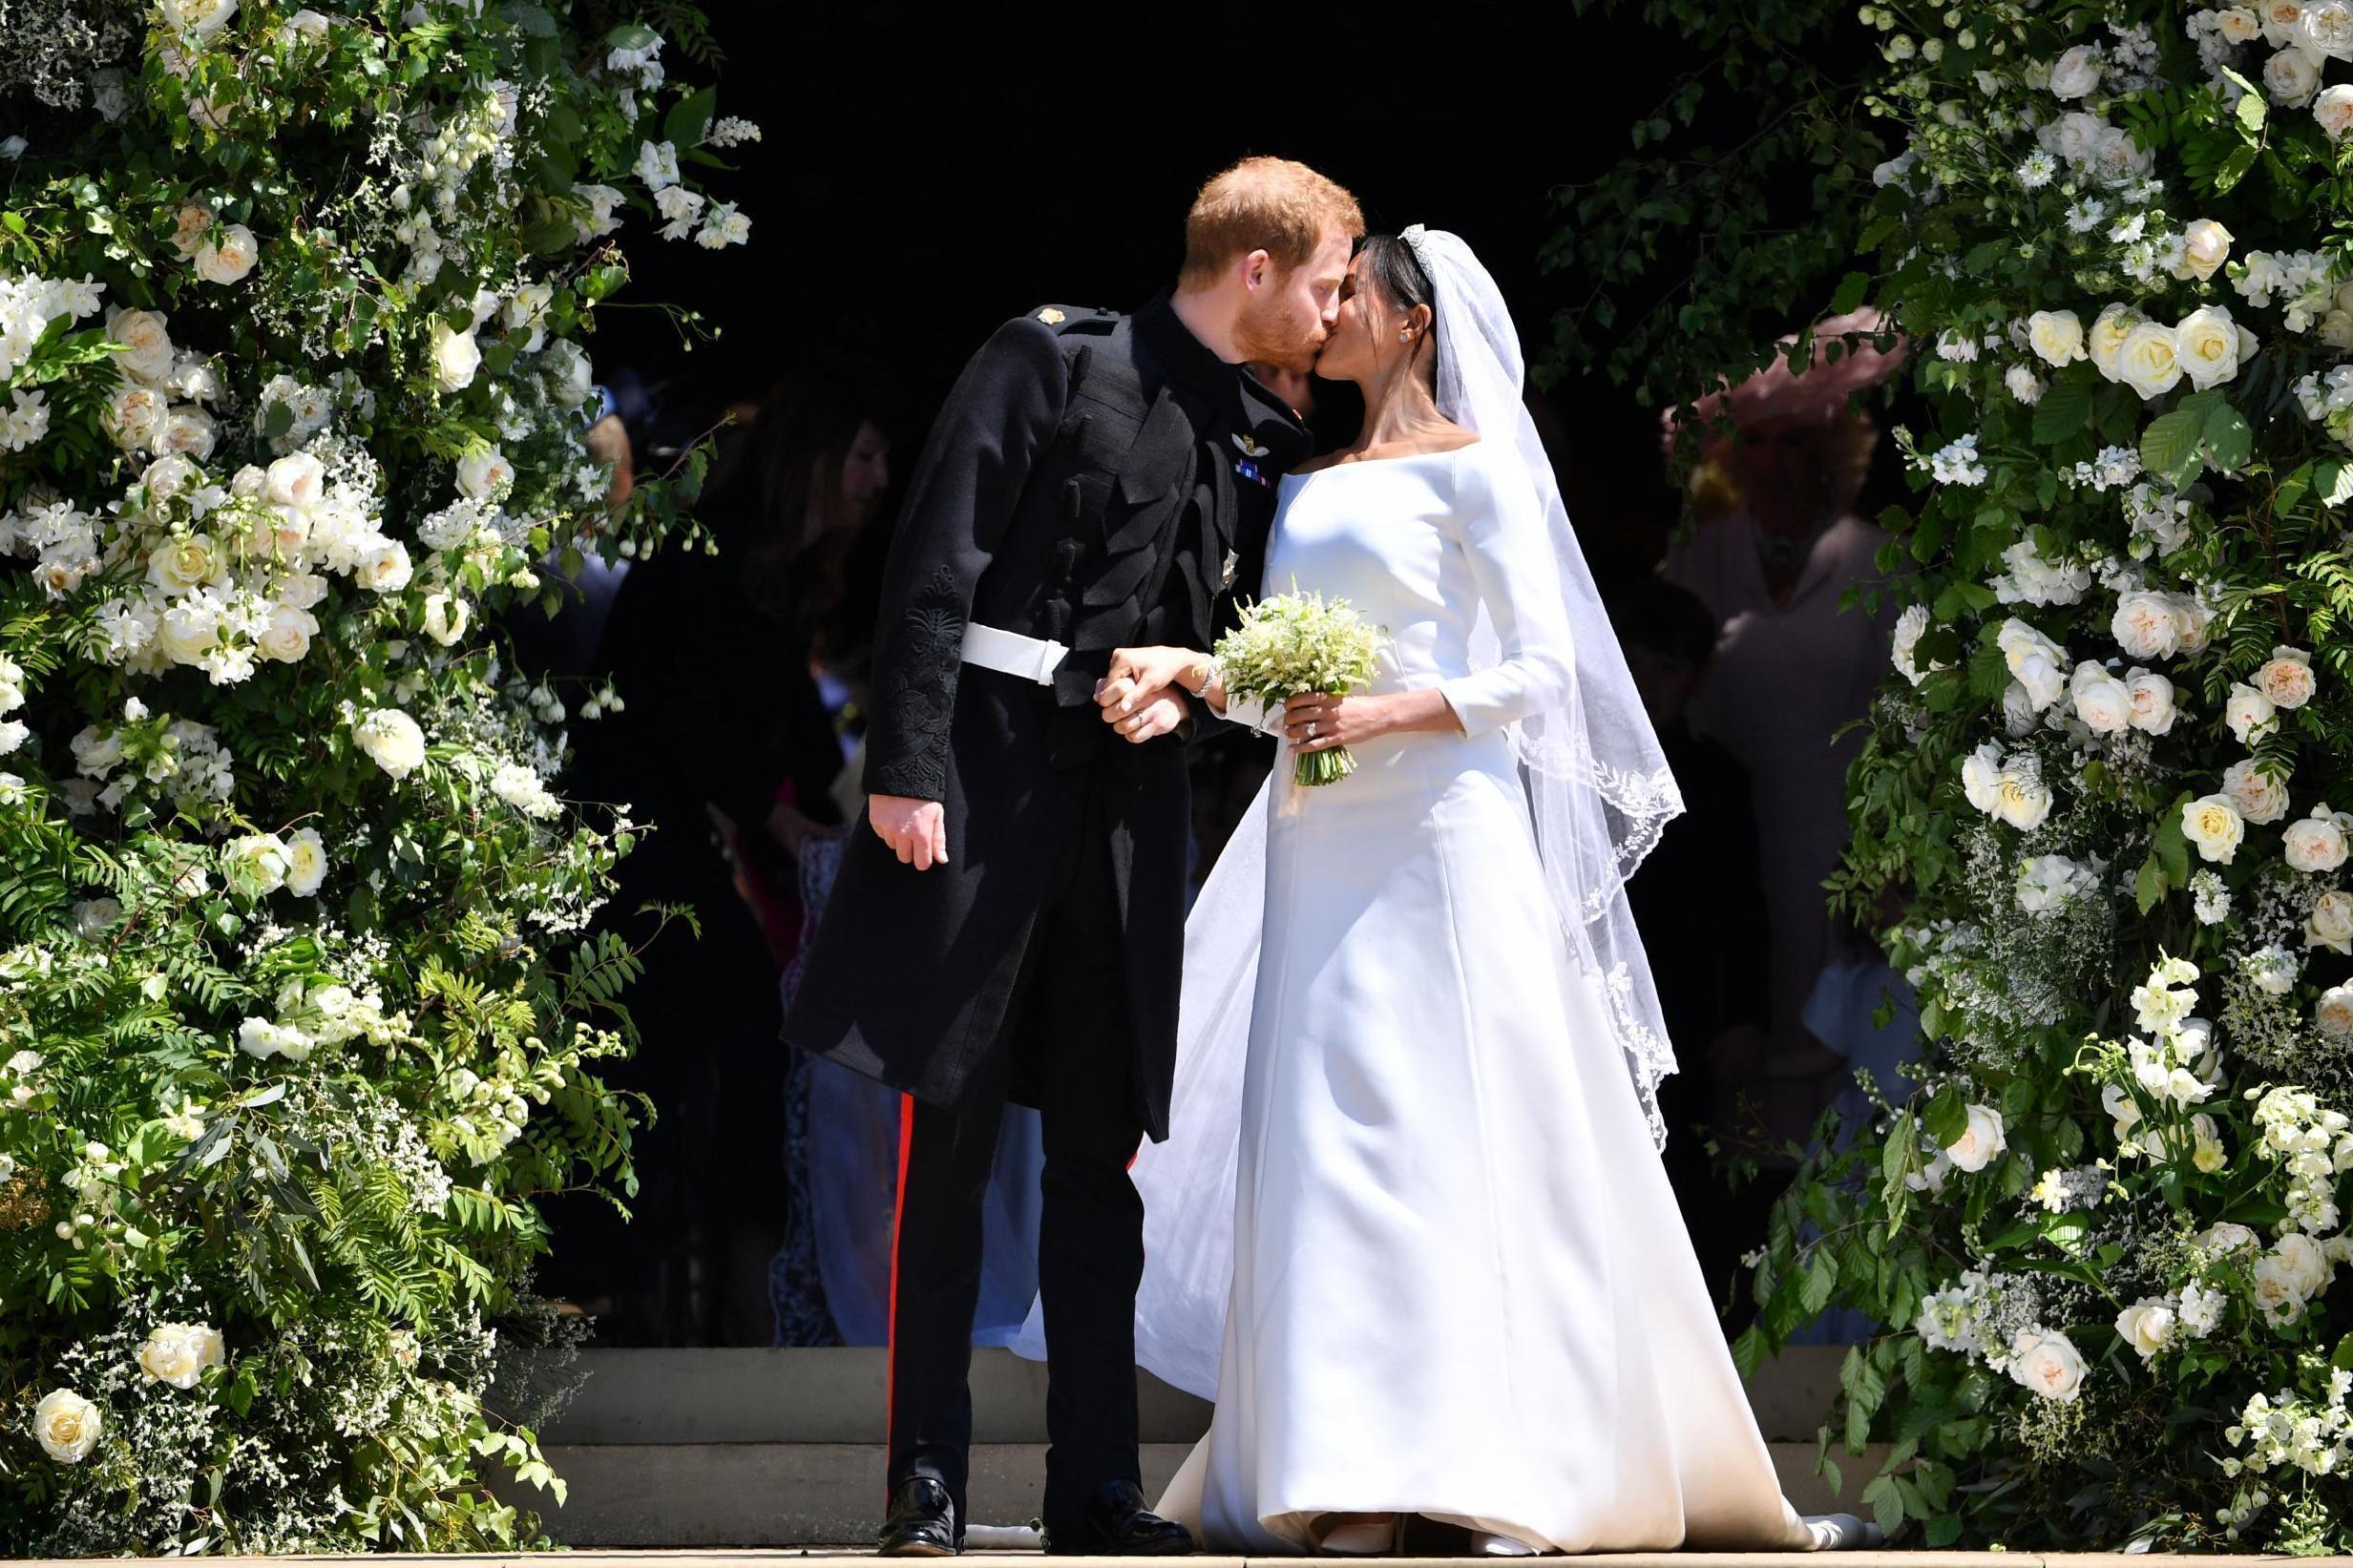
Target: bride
x=1411, y=1229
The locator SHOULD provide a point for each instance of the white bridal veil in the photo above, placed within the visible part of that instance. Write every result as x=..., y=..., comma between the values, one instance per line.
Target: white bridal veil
x=1599, y=794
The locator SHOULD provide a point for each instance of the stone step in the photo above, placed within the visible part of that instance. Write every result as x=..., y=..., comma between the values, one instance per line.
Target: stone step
x=696, y=1396
x=783, y=1495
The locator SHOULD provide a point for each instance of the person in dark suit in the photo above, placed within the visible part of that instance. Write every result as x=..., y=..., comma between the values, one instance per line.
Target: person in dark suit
x=1012, y=927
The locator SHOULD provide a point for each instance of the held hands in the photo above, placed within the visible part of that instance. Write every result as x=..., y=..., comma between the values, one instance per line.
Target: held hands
x=916, y=831
x=1141, y=696
x=1149, y=669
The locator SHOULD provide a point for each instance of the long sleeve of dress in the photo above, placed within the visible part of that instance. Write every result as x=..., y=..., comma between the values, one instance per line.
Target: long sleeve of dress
x=1500, y=527
x=1000, y=416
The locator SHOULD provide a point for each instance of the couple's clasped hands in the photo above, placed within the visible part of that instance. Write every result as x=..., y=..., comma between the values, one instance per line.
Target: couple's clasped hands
x=1142, y=697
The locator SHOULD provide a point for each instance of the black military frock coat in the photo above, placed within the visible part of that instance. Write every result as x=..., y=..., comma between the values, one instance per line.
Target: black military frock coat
x=1105, y=482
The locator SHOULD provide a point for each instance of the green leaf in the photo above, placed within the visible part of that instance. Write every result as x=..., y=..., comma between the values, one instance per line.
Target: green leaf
x=2229, y=441
x=1850, y=293
x=689, y=117
x=2234, y=169
x=1947, y=1117
x=1820, y=1282
x=2147, y=884
x=2065, y=410
x=2168, y=445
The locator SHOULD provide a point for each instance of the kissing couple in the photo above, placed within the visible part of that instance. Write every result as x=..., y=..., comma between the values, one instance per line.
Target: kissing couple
x=1406, y=1217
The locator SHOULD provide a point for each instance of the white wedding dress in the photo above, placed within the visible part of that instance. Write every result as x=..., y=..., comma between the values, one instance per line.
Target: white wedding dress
x=1460, y=1284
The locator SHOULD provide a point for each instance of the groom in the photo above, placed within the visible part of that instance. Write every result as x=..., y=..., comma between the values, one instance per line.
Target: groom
x=1012, y=927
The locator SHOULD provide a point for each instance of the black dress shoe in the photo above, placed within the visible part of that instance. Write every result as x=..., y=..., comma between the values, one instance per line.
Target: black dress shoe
x=922, y=1522
x=1116, y=1524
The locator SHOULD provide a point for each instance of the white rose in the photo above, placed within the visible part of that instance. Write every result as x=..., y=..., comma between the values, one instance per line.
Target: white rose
x=2286, y=680
x=2021, y=797
x=2147, y=1325
x=228, y=259
x=2151, y=699
x=184, y=562
x=1980, y=777
x=456, y=357
x=2317, y=843
x=2274, y=1290
x=146, y=345
x=305, y=862
x=2238, y=25
x=2334, y=1011
x=2145, y=625
x=2038, y=662
x=2290, y=78
x=178, y=1353
x=2225, y=1237
x=134, y=416
x=445, y=617
x=68, y=1426
x=483, y=473
x=2330, y=925
x=286, y=638
x=2307, y=1265
x=255, y=865
x=2018, y=714
x=2334, y=110
x=187, y=430
x=1980, y=1141
x=2076, y=73
x=2104, y=343
x=296, y=482
x=2278, y=18
x=94, y=917
x=2207, y=341
x=385, y=568
x=2046, y=883
x=2249, y=713
x=2047, y=1362
x=2326, y=30
x=2260, y=799
x=2102, y=701
x=2205, y=245
x=391, y=740
x=2150, y=360
x=2213, y=824
x=2056, y=336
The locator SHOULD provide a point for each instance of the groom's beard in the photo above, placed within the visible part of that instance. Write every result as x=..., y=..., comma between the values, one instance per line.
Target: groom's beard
x=1266, y=336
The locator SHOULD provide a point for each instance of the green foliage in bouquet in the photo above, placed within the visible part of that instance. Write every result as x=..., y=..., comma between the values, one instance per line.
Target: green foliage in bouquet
x=2107, y=783
x=1296, y=645
x=299, y=1010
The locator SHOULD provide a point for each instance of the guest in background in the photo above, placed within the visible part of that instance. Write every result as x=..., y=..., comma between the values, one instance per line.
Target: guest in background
x=1699, y=902
x=1792, y=667
x=725, y=746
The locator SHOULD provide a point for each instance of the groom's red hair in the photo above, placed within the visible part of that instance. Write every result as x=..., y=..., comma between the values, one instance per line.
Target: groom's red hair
x=1273, y=204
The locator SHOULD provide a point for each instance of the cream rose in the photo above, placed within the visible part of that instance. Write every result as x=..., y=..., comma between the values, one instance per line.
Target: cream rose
x=2102, y=701
x=146, y=344
x=2249, y=713
x=2147, y=1325
x=2286, y=679
x=184, y=562
x=2047, y=1362
x=391, y=740
x=2259, y=797
x=228, y=259
x=134, y=416
x=2213, y=824
x=2205, y=245
x=2150, y=360
x=2290, y=78
x=2056, y=336
x=305, y=862
x=2038, y=662
x=2274, y=1290
x=445, y=617
x=2334, y=1011
x=2224, y=1238
x=385, y=568
x=2307, y=1266
x=2325, y=28
x=188, y=231
x=2104, y=341
x=483, y=473
x=2207, y=341
x=187, y=430
x=2330, y=924
x=68, y=1426
x=2021, y=797
x=286, y=638
x=178, y=1353
x=1980, y=777
x=296, y=482
x=2076, y=73
x=2152, y=698
x=1980, y=1141
x=2145, y=625
x=456, y=357
x=2334, y=110
x=2238, y=25
x=2315, y=844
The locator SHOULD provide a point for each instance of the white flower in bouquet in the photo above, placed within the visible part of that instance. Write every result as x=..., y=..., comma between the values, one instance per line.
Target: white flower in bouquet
x=261, y=1039
x=305, y=862
x=1982, y=1138
x=2051, y=882
x=2148, y=1326
x=134, y=416
x=2324, y=31
x=254, y=866
x=456, y=355
x=2151, y=697
x=2214, y=827
x=725, y=226
x=2262, y=799
x=297, y=481
x=521, y=788
x=228, y=259
x=2317, y=843
x=2076, y=73
x=2286, y=678
x=67, y=1425
x=2047, y=1362
x=682, y=207
x=2104, y=342
x=2030, y=580
x=385, y=568
x=2145, y=624
x=2165, y=998
x=178, y=1353
x=392, y=741
x=2205, y=245
x=2201, y=1310
x=1910, y=627
x=604, y=202
x=2102, y=701
x=288, y=636
x=657, y=164
x=2206, y=1150
x=2333, y=109
x=2272, y=970
x=185, y=563
x=1956, y=463
x=2019, y=796
x=2149, y=360
x=2024, y=384
x=2330, y=924
x=1295, y=645
x=2035, y=661
x=2290, y=78
x=146, y=344
x=445, y=617
x=2249, y=713
x=2207, y=342
x=2334, y=1011
x=2056, y=337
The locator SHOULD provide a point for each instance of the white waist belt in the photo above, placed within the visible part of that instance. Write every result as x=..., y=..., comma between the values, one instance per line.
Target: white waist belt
x=1030, y=658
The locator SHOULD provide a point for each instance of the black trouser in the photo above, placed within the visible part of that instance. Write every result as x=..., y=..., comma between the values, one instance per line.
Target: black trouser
x=1090, y=1254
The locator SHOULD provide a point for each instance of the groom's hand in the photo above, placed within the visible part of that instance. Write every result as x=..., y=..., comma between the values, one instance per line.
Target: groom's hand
x=1140, y=714
x=916, y=831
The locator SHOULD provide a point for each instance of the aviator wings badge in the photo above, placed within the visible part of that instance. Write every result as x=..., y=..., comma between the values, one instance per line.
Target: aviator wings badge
x=1246, y=464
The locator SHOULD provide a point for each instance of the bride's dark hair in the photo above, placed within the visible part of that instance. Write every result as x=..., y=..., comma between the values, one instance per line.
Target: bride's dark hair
x=1389, y=261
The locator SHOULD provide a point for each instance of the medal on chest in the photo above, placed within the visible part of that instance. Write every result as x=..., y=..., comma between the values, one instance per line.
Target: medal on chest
x=1246, y=464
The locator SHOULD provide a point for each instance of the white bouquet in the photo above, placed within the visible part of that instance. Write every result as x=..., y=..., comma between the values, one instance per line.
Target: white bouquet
x=1294, y=644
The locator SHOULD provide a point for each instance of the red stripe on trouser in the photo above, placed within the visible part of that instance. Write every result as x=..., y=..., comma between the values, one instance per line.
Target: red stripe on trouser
x=898, y=1226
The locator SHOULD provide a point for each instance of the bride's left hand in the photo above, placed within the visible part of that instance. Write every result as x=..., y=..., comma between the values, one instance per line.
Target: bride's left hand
x=1336, y=720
